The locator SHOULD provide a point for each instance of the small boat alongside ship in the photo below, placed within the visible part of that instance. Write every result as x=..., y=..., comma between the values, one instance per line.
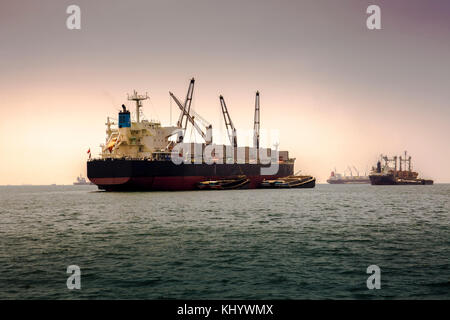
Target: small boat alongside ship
x=231, y=183
x=393, y=172
x=290, y=182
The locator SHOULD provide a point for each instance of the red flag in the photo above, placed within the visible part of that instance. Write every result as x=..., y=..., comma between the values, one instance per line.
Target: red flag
x=89, y=152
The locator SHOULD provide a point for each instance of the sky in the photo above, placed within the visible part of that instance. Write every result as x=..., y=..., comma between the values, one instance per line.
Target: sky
x=338, y=93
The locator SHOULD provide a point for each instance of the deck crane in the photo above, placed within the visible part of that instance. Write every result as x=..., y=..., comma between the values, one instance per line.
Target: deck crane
x=231, y=130
x=206, y=135
x=389, y=160
x=405, y=160
x=198, y=117
x=351, y=172
x=185, y=111
x=256, y=123
x=356, y=170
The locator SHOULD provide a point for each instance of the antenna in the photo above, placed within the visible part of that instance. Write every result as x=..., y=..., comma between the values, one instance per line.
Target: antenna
x=138, y=98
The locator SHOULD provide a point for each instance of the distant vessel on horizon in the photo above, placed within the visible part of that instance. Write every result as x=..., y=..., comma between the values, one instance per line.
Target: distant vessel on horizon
x=338, y=178
x=81, y=181
x=385, y=174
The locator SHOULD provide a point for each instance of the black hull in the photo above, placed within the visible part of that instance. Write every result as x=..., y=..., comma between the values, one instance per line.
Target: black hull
x=145, y=175
x=390, y=180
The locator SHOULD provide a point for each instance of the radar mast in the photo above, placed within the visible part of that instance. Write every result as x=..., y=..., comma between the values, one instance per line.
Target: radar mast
x=138, y=98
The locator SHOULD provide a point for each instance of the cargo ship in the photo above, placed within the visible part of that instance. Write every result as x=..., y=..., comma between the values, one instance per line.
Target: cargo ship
x=338, y=178
x=139, y=154
x=396, y=171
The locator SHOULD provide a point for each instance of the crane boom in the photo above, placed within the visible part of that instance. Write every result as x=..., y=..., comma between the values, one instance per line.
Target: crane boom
x=196, y=116
x=187, y=106
x=256, y=123
x=206, y=136
x=231, y=130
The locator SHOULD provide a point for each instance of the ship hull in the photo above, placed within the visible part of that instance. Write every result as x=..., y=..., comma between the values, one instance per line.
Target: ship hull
x=391, y=180
x=145, y=175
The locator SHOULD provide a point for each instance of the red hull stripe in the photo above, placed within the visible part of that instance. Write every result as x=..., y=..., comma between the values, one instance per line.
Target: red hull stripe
x=166, y=183
x=110, y=181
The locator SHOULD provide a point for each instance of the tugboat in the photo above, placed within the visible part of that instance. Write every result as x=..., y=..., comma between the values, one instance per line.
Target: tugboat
x=391, y=174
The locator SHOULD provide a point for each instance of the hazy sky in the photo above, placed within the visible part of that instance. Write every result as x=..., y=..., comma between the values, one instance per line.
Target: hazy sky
x=339, y=94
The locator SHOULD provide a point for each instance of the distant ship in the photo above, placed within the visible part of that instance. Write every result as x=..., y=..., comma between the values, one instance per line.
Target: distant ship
x=338, y=178
x=393, y=172
x=81, y=181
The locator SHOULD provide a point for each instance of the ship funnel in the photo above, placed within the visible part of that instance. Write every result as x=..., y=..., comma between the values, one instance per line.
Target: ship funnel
x=124, y=118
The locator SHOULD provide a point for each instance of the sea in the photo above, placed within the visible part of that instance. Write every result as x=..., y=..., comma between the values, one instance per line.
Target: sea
x=321, y=243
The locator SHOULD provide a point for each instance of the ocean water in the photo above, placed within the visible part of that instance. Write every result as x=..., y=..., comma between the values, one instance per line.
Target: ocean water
x=249, y=244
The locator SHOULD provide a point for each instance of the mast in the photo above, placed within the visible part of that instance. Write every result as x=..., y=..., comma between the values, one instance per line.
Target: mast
x=395, y=165
x=256, y=123
x=138, y=98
